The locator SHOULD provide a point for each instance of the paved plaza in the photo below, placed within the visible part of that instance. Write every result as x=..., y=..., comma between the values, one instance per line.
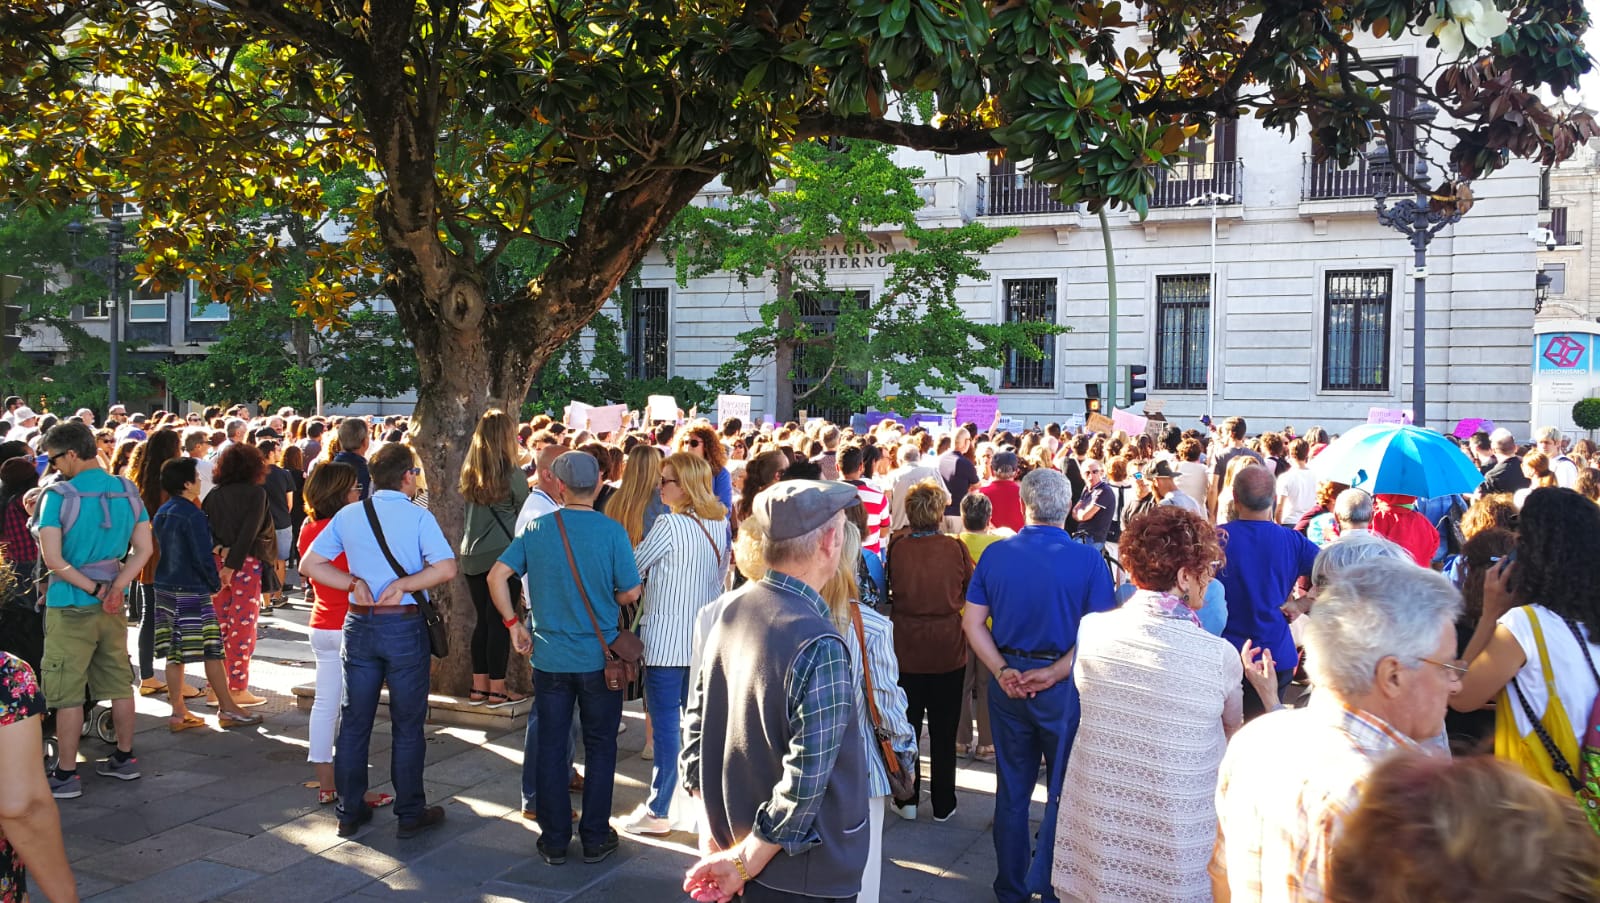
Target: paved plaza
x=225, y=816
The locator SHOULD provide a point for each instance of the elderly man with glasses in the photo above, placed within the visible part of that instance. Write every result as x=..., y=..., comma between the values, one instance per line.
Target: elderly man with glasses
x=1382, y=653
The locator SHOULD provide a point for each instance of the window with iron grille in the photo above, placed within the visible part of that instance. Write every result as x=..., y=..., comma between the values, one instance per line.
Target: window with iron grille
x=820, y=312
x=1183, y=323
x=1031, y=301
x=647, y=334
x=1355, y=335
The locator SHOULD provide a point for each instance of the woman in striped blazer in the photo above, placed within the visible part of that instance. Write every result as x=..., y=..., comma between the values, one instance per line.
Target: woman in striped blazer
x=683, y=559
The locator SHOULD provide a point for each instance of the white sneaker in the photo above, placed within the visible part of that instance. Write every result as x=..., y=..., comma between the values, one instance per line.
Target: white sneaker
x=642, y=822
x=908, y=812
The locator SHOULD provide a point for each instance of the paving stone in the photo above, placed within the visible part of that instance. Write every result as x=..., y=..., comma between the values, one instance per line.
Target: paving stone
x=191, y=882
x=311, y=880
x=159, y=852
x=264, y=853
x=268, y=811
x=88, y=885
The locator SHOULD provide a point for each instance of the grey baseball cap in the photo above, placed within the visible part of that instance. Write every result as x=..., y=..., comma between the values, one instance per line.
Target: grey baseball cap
x=576, y=470
x=791, y=508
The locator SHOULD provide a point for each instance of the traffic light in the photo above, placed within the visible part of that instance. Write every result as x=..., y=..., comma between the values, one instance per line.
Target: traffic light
x=10, y=318
x=1136, y=384
x=1091, y=398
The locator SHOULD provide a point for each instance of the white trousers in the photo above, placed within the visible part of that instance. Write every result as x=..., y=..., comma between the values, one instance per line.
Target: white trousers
x=872, y=878
x=328, y=647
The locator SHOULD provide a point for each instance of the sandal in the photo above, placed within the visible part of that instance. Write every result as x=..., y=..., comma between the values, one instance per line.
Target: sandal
x=324, y=797
x=146, y=688
x=228, y=720
x=984, y=754
x=477, y=697
x=191, y=692
x=379, y=801
x=501, y=700
x=189, y=722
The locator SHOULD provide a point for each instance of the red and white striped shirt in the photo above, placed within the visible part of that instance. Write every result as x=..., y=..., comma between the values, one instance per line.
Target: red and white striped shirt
x=877, y=505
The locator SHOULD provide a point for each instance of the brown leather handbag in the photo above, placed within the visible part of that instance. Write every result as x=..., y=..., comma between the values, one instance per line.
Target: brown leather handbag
x=623, y=655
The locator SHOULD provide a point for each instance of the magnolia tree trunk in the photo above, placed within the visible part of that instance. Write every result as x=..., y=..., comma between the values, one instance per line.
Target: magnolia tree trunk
x=472, y=356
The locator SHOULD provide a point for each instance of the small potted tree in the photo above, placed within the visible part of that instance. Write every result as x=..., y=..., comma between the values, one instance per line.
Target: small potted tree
x=1586, y=414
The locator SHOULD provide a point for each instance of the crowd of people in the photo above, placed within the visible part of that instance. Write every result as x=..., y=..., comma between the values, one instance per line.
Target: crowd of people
x=1234, y=679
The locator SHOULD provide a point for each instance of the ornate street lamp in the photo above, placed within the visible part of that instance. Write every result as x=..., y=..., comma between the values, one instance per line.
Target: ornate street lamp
x=109, y=267
x=1419, y=220
x=1541, y=290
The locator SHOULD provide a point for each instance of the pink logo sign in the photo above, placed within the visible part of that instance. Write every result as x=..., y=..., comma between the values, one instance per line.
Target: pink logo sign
x=1563, y=351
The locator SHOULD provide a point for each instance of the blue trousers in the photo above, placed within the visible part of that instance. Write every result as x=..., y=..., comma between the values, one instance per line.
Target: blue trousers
x=381, y=649
x=666, y=692
x=530, y=756
x=600, y=712
x=1026, y=730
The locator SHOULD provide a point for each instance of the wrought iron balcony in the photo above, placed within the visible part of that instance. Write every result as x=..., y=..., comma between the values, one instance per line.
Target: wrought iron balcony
x=1002, y=194
x=1327, y=180
x=1186, y=181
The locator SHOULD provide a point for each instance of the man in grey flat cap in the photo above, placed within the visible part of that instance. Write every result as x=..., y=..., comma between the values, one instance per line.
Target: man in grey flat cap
x=771, y=738
x=582, y=569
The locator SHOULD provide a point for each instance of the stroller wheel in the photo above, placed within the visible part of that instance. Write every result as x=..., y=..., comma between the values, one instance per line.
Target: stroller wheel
x=52, y=753
x=104, y=727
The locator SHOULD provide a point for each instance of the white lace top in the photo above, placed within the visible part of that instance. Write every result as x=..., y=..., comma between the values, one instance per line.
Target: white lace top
x=1160, y=697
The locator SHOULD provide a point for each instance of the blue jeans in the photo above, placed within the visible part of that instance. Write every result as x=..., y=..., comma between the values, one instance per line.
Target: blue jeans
x=1024, y=731
x=381, y=649
x=530, y=756
x=666, y=692
x=600, y=711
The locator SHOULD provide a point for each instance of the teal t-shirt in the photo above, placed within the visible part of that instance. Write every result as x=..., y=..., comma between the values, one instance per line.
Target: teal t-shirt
x=563, y=636
x=88, y=541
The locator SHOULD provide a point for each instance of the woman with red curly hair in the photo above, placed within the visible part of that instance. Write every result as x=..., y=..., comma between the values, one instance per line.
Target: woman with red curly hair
x=701, y=440
x=1160, y=697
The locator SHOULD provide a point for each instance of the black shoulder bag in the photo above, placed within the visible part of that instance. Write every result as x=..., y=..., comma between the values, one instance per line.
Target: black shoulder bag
x=438, y=637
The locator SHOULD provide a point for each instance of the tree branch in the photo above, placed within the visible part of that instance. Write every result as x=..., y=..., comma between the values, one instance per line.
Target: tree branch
x=890, y=131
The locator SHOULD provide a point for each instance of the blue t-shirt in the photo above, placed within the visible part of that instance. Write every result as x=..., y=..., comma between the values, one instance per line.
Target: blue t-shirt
x=1037, y=586
x=1264, y=561
x=411, y=532
x=563, y=635
x=88, y=541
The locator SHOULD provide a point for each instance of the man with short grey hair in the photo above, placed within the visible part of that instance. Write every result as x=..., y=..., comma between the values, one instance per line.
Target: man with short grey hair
x=1024, y=602
x=770, y=738
x=1382, y=652
x=1353, y=509
x=1548, y=439
x=1264, y=561
x=910, y=472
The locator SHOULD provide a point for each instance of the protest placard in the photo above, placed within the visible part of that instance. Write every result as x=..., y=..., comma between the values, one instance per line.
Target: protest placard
x=1098, y=423
x=577, y=415
x=607, y=419
x=1388, y=415
x=731, y=406
x=1128, y=422
x=976, y=409
x=661, y=407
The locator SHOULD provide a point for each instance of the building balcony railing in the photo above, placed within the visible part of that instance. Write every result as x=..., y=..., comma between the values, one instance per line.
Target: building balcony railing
x=1016, y=195
x=1183, y=183
x=1327, y=180
x=1569, y=238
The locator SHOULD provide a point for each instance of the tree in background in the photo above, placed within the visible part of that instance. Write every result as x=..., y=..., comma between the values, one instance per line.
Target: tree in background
x=467, y=118
x=838, y=202
x=36, y=247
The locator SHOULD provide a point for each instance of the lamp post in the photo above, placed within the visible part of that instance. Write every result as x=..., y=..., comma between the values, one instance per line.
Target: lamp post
x=109, y=266
x=1541, y=290
x=1211, y=199
x=1417, y=220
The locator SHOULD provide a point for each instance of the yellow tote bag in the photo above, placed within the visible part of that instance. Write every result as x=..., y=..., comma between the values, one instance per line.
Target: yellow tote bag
x=1527, y=751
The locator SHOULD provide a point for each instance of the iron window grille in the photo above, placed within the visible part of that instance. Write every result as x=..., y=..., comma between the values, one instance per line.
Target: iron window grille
x=1183, y=324
x=647, y=334
x=1030, y=301
x=1355, y=336
x=820, y=312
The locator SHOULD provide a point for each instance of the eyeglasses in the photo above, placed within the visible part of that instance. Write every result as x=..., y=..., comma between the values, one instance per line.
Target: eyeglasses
x=1457, y=669
x=415, y=471
x=57, y=456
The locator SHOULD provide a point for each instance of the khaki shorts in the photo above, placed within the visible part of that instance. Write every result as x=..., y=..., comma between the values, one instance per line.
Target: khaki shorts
x=85, y=649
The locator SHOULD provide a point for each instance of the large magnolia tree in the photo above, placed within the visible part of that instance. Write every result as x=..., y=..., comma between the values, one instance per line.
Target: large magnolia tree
x=470, y=117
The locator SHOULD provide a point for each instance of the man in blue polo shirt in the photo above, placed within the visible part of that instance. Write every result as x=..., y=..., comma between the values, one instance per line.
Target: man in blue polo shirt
x=1036, y=587
x=385, y=638
x=1264, y=561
